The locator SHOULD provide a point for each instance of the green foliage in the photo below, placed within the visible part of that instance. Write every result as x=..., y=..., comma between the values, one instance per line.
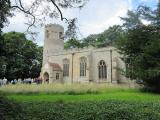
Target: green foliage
x=73, y=96
x=141, y=49
x=132, y=19
x=108, y=37
x=75, y=93
x=150, y=15
x=5, y=12
x=72, y=43
x=21, y=57
x=90, y=40
x=104, y=110
x=113, y=104
x=9, y=110
x=140, y=46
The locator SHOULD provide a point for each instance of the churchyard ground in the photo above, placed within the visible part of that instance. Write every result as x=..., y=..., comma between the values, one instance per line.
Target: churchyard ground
x=83, y=102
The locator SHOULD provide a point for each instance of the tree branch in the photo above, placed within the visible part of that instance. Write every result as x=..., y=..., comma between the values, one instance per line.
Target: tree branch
x=20, y=3
x=60, y=12
x=27, y=12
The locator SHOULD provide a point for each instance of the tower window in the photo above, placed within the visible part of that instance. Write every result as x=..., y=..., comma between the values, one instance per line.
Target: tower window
x=60, y=35
x=47, y=33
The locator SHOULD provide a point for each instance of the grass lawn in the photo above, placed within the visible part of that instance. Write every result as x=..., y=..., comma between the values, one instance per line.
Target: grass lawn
x=75, y=93
x=84, y=102
x=127, y=95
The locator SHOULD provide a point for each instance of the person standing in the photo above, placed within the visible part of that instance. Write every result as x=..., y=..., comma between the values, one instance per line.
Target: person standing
x=4, y=81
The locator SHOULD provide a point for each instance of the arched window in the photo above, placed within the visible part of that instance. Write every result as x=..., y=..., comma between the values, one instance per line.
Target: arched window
x=102, y=70
x=83, y=66
x=65, y=67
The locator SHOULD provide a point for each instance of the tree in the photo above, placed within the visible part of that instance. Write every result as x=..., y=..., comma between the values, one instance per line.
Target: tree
x=111, y=35
x=37, y=63
x=38, y=11
x=22, y=57
x=140, y=46
x=152, y=16
x=13, y=44
x=132, y=20
x=5, y=12
x=73, y=43
x=141, y=49
x=108, y=37
x=90, y=40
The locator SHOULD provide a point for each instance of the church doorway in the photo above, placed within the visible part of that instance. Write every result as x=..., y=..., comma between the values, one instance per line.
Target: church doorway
x=46, y=77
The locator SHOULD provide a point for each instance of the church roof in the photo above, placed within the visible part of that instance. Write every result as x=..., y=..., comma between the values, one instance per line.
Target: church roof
x=55, y=67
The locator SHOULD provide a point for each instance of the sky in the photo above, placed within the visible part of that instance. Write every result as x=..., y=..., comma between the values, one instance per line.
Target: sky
x=95, y=17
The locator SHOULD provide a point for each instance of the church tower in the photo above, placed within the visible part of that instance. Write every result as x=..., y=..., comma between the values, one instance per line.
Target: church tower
x=53, y=40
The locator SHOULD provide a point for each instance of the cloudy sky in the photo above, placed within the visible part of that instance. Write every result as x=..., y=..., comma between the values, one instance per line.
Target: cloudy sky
x=94, y=18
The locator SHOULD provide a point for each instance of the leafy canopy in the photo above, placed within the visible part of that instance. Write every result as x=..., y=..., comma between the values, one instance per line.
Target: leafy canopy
x=21, y=57
x=140, y=46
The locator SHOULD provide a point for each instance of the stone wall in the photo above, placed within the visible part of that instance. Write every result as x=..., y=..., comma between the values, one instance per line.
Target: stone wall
x=54, y=53
x=93, y=56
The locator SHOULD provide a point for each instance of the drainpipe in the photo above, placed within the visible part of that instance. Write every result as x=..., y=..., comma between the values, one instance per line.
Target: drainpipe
x=72, y=67
x=111, y=64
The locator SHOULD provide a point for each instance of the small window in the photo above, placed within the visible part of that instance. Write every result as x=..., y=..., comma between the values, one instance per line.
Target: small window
x=65, y=67
x=57, y=76
x=60, y=35
x=47, y=33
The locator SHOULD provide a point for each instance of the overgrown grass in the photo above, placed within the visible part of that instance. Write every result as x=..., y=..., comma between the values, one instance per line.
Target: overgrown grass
x=62, y=88
x=83, y=102
x=75, y=93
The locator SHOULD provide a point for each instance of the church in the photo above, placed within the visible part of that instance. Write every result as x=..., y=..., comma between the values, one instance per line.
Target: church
x=78, y=65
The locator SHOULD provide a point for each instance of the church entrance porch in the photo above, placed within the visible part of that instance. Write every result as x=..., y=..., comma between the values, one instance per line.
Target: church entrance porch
x=57, y=73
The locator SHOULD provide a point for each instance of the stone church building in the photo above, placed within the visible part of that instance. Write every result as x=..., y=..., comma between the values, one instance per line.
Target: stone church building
x=99, y=65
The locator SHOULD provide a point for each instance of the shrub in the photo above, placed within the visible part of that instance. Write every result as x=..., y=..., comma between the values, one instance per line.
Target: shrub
x=9, y=110
x=102, y=110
